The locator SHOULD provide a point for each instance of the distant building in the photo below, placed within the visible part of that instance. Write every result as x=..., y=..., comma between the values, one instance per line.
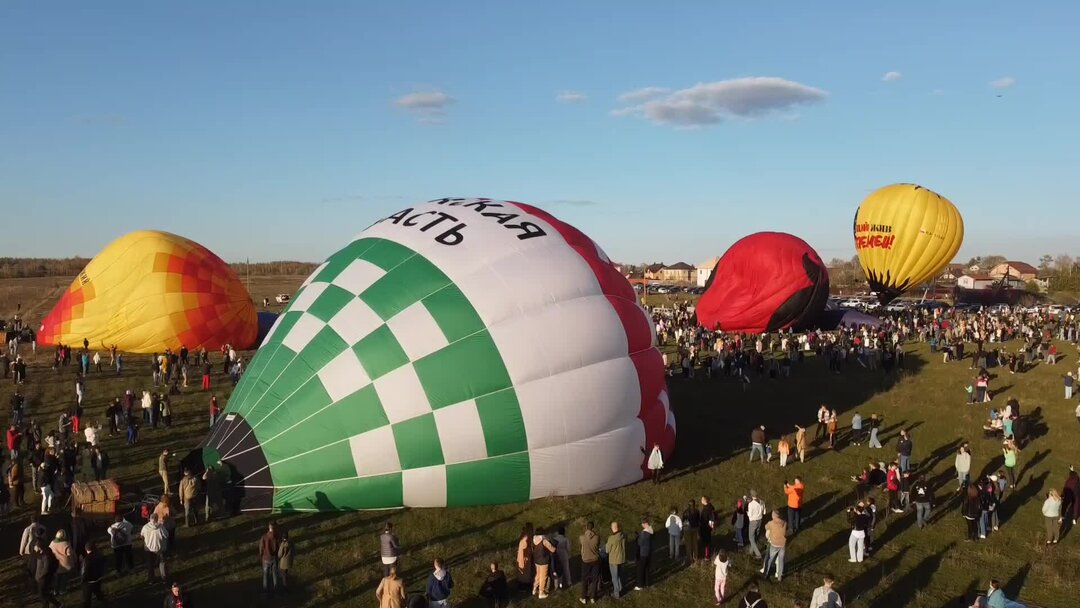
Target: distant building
x=1020, y=270
x=952, y=272
x=975, y=281
x=705, y=269
x=679, y=272
x=652, y=271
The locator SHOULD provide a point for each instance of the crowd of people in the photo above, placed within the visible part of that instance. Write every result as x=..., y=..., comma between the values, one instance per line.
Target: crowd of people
x=700, y=533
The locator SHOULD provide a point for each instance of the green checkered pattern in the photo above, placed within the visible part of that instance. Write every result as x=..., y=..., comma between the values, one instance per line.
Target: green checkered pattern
x=336, y=401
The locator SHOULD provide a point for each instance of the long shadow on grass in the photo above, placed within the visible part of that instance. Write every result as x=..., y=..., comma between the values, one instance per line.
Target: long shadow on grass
x=904, y=589
x=873, y=574
x=707, y=434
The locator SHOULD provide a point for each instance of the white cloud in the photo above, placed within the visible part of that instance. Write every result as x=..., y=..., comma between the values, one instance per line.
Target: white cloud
x=710, y=103
x=891, y=76
x=643, y=94
x=429, y=107
x=571, y=97
x=1003, y=83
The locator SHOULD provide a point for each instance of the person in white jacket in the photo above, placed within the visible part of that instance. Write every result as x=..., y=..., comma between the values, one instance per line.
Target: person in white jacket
x=824, y=596
x=674, y=525
x=963, y=467
x=656, y=462
x=755, y=512
x=154, y=541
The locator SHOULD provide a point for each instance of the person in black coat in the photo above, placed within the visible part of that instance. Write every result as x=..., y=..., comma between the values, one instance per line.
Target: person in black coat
x=494, y=589
x=708, y=522
x=93, y=570
x=176, y=598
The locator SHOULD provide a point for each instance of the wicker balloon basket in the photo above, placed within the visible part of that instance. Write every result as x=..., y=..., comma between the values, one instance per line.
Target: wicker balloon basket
x=96, y=497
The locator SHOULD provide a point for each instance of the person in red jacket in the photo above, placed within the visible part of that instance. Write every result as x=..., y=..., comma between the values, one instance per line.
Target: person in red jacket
x=14, y=441
x=892, y=483
x=215, y=410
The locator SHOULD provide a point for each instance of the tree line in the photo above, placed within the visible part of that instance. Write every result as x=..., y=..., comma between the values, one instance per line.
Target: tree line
x=21, y=268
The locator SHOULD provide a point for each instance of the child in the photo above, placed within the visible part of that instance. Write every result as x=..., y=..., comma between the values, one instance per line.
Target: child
x=721, y=564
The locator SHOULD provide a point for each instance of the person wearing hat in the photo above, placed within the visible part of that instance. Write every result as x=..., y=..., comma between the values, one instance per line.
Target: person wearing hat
x=1069, y=385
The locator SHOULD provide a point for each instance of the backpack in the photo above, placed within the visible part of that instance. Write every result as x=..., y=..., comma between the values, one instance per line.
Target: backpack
x=121, y=537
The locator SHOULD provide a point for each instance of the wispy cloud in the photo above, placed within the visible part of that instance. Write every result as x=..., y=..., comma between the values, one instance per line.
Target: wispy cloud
x=571, y=97
x=1003, y=83
x=429, y=107
x=711, y=103
x=643, y=94
x=891, y=76
x=107, y=119
x=937, y=92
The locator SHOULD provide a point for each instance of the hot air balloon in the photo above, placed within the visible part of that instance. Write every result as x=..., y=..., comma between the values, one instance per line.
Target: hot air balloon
x=459, y=352
x=904, y=235
x=150, y=290
x=764, y=282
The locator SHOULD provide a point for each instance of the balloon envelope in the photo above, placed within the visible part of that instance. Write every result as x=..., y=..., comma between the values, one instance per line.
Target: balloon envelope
x=460, y=352
x=764, y=282
x=150, y=290
x=904, y=235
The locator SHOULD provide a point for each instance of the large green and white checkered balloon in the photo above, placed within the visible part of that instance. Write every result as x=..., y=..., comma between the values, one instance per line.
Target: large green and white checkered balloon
x=460, y=352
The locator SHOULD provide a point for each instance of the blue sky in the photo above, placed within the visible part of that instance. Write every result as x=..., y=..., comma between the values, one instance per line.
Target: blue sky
x=271, y=130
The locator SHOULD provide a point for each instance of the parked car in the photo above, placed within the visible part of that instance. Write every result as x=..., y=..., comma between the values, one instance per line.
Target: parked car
x=282, y=298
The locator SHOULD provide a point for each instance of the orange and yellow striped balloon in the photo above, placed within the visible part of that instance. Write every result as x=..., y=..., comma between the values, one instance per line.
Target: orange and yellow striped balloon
x=150, y=290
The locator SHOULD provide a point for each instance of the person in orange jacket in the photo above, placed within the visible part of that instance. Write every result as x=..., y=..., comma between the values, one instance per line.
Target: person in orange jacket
x=794, y=492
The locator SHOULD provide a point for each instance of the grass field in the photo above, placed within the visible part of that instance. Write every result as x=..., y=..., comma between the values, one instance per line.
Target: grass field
x=336, y=553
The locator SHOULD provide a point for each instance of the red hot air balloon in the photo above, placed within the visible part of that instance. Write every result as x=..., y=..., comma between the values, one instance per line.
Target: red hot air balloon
x=765, y=282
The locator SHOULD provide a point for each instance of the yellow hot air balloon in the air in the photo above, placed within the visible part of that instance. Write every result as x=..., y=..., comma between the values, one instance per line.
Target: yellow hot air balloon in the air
x=904, y=235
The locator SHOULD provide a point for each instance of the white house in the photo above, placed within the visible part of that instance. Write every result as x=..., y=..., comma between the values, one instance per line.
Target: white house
x=975, y=281
x=704, y=270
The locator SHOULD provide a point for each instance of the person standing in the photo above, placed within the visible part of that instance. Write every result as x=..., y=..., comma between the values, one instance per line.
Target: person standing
x=776, y=534
x=439, y=585
x=924, y=501
x=212, y=486
x=391, y=591
x=207, y=368
x=1051, y=510
x=644, y=554
x=389, y=548
x=783, y=447
x=857, y=429
x=494, y=589
x=65, y=560
x=120, y=540
x=655, y=462
x=971, y=510
x=1010, y=451
x=93, y=570
x=155, y=541
x=541, y=550
x=691, y=519
x=720, y=572
x=176, y=598
x=616, y=550
x=755, y=513
x=708, y=524
x=32, y=534
x=268, y=552
x=875, y=424
x=800, y=442
x=189, y=490
x=590, y=564
x=962, y=464
x=757, y=443
x=825, y=596
x=285, y=559
x=752, y=598
x=163, y=470
x=903, y=450
x=44, y=569
x=794, y=492
x=14, y=482
x=215, y=410
x=822, y=421
x=562, y=558
x=674, y=526
x=860, y=525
